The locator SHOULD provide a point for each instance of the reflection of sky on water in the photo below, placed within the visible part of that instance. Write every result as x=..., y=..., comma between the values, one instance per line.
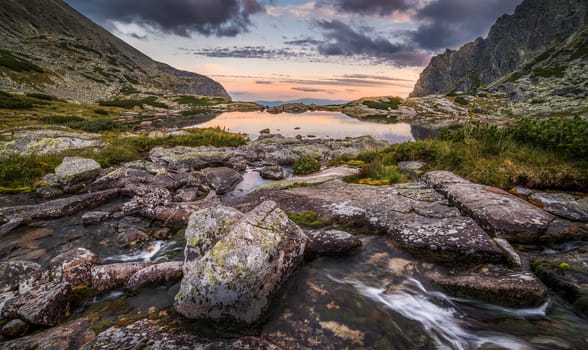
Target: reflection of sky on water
x=320, y=124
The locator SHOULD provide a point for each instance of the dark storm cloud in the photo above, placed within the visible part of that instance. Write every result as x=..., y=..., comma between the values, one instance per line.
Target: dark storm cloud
x=341, y=39
x=303, y=42
x=247, y=52
x=372, y=7
x=180, y=17
x=449, y=23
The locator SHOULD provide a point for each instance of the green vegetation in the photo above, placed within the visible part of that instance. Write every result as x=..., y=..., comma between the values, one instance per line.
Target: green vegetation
x=17, y=64
x=10, y=101
x=550, y=72
x=550, y=153
x=391, y=103
x=306, y=165
x=130, y=103
x=79, y=123
x=308, y=219
x=42, y=96
x=18, y=173
x=127, y=90
x=195, y=101
x=461, y=100
x=195, y=112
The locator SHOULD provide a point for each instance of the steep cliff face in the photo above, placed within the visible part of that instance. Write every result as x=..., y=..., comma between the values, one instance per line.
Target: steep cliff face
x=513, y=41
x=47, y=46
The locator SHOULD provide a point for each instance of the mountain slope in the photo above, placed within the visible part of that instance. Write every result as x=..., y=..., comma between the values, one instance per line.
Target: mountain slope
x=49, y=47
x=513, y=42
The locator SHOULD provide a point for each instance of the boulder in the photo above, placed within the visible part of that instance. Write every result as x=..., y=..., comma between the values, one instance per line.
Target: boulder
x=12, y=273
x=15, y=328
x=150, y=335
x=495, y=210
x=562, y=204
x=272, y=172
x=43, y=305
x=222, y=179
x=92, y=217
x=495, y=285
x=131, y=236
x=191, y=158
x=157, y=273
x=77, y=169
x=105, y=277
x=239, y=276
x=74, y=267
x=69, y=336
x=330, y=242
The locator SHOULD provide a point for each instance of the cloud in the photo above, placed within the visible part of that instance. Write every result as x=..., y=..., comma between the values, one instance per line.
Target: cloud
x=342, y=40
x=311, y=89
x=248, y=52
x=372, y=7
x=343, y=81
x=303, y=42
x=264, y=82
x=179, y=17
x=450, y=23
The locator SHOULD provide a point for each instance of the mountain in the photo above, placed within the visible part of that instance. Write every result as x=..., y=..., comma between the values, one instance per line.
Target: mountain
x=47, y=46
x=543, y=43
x=306, y=101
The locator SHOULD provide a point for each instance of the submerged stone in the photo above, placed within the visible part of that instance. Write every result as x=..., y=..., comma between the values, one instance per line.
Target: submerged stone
x=222, y=179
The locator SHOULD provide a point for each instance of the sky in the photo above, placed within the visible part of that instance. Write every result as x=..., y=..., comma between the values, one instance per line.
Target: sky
x=291, y=49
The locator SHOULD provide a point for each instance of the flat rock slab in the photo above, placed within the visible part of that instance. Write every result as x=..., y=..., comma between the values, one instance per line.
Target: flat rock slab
x=496, y=285
x=69, y=336
x=149, y=335
x=562, y=204
x=191, y=158
x=157, y=273
x=26, y=141
x=105, y=277
x=417, y=218
x=497, y=211
x=330, y=242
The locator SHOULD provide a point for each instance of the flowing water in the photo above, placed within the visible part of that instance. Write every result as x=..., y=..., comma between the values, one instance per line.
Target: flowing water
x=312, y=124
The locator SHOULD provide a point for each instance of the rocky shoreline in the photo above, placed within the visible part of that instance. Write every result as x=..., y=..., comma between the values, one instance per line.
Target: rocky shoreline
x=241, y=252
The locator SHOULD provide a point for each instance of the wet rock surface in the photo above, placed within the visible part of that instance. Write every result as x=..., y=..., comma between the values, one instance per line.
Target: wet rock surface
x=105, y=277
x=330, y=242
x=148, y=334
x=222, y=179
x=273, y=172
x=15, y=328
x=44, y=305
x=562, y=204
x=154, y=274
x=239, y=276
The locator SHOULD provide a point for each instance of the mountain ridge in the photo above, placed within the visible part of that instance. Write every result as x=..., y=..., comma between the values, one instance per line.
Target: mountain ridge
x=78, y=59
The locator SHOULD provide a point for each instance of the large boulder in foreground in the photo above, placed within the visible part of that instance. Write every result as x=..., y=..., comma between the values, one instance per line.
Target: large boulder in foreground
x=44, y=305
x=237, y=278
x=77, y=169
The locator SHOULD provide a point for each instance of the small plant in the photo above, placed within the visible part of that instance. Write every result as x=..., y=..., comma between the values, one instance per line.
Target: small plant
x=195, y=101
x=308, y=219
x=101, y=111
x=461, y=100
x=390, y=103
x=306, y=165
x=565, y=266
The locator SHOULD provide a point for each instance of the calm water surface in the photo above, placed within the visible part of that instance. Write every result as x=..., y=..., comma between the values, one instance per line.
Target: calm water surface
x=318, y=124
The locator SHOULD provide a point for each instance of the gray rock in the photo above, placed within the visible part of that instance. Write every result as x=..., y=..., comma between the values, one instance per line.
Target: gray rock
x=150, y=335
x=74, y=267
x=131, y=236
x=92, y=217
x=509, y=252
x=15, y=328
x=157, y=273
x=264, y=131
x=38, y=140
x=69, y=336
x=49, y=192
x=496, y=285
x=222, y=179
x=273, y=172
x=105, y=277
x=43, y=305
x=77, y=169
x=562, y=204
x=497, y=211
x=191, y=158
x=12, y=273
x=239, y=276
x=521, y=191
x=188, y=194
x=412, y=169
x=330, y=242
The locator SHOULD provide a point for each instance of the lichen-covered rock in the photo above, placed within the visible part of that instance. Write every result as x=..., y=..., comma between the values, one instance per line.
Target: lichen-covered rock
x=43, y=305
x=239, y=276
x=496, y=285
x=272, y=172
x=206, y=227
x=150, y=335
x=191, y=158
x=69, y=336
x=330, y=242
x=222, y=179
x=130, y=236
x=562, y=204
x=92, y=217
x=509, y=252
x=26, y=141
x=13, y=272
x=156, y=273
x=495, y=210
x=105, y=277
x=77, y=169
x=412, y=169
x=15, y=328
x=74, y=267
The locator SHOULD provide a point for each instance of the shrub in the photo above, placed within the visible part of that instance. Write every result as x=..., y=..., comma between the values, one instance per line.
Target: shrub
x=391, y=103
x=17, y=64
x=461, y=100
x=306, y=165
x=308, y=219
x=42, y=96
x=9, y=101
x=130, y=103
x=101, y=111
x=195, y=101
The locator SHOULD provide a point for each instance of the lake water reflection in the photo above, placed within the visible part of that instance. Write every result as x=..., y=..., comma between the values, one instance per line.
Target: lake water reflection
x=319, y=124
